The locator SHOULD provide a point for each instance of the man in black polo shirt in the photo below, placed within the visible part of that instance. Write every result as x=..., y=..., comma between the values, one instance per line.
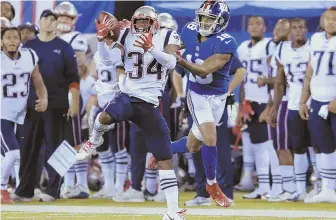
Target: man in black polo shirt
x=57, y=62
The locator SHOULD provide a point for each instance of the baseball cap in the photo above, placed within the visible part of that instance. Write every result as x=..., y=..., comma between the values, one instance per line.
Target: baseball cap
x=47, y=12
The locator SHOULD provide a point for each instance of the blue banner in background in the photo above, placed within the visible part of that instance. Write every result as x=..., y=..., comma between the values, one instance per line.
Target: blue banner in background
x=184, y=12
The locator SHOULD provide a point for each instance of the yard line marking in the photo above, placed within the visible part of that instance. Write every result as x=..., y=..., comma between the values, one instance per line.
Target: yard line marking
x=160, y=211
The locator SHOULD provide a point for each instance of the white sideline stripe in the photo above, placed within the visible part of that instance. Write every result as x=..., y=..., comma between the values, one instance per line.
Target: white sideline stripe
x=160, y=211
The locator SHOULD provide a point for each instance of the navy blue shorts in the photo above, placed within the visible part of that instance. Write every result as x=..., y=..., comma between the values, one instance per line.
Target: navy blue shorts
x=12, y=136
x=280, y=134
x=148, y=118
x=323, y=131
x=298, y=131
x=259, y=132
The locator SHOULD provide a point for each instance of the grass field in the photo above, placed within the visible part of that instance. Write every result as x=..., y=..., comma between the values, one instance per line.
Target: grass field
x=106, y=209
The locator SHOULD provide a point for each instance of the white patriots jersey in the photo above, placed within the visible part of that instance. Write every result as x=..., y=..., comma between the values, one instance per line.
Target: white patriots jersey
x=145, y=76
x=254, y=59
x=106, y=87
x=86, y=90
x=76, y=40
x=106, y=73
x=323, y=61
x=15, y=83
x=295, y=62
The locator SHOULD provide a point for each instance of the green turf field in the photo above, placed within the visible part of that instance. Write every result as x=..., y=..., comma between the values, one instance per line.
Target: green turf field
x=64, y=210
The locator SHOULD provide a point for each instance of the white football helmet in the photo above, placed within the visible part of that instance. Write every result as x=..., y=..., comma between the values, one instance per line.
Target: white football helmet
x=167, y=21
x=144, y=20
x=69, y=10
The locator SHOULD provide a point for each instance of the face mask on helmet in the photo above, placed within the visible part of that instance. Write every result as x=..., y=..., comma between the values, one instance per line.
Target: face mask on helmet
x=212, y=18
x=66, y=17
x=65, y=24
x=144, y=20
x=141, y=25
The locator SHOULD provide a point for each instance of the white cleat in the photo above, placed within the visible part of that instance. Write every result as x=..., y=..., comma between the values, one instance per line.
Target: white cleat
x=326, y=195
x=66, y=191
x=283, y=197
x=314, y=191
x=297, y=197
x=256, y=194
x=104, y=193
x=47, y=198
x=37, y=193
x=80, y=192
x=87, y=149
x=17, y=198
x=198, y=201
x=130, y=195
x=175, y=216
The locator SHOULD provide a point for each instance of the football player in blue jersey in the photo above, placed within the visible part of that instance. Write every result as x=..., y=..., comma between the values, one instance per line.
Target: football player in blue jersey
x=208, y=57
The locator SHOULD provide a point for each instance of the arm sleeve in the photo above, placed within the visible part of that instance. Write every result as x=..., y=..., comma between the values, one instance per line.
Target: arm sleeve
x=70, y=71
x=236, y=64
x=228, y=45
x=108, y=57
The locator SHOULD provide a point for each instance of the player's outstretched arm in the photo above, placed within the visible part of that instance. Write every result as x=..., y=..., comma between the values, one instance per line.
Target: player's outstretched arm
x=210, y=65
x=41, y=90
x=306, y=93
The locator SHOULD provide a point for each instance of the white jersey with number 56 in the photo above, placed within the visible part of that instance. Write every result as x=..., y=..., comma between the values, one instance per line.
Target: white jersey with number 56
x=15, y=83
x=145, y=76
x=323, y=61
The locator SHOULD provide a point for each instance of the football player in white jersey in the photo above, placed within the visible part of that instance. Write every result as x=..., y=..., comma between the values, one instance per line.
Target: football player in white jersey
x=66, y=20
x=319, y=83
x=17, y=68
x=254, y=55
x=148, y=56
x=292, y=59
x=280, y=156
x=107, y=88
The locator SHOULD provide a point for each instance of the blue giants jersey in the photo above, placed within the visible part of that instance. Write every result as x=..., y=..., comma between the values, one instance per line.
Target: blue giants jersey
x=221, y=43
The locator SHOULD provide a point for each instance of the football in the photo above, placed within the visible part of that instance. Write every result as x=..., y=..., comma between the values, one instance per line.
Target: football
x=113, y=34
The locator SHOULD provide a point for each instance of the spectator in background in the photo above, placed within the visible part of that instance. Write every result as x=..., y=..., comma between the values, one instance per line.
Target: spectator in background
x=321, y=27
x=28, y=31
x=7, y=10
x=5, y=23
x=58, y=67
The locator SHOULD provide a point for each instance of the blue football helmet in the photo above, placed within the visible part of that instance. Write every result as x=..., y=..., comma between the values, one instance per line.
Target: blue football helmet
x=212, y=17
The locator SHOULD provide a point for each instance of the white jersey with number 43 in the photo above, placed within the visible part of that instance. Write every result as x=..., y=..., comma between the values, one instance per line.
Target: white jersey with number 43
x=323, y=61
x=145, y=76
x=15, y=83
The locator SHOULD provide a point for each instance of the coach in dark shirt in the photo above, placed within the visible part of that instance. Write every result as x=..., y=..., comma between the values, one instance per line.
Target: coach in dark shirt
x=57, y=62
